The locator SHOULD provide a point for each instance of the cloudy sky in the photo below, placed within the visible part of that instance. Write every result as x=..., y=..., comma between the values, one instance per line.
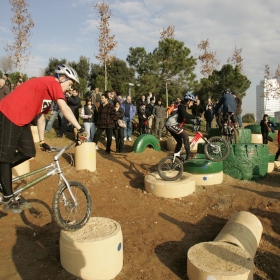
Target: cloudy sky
x=68, y=29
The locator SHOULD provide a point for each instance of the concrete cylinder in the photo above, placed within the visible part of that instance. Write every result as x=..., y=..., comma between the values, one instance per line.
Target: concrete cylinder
x=244, y=230
x=21, y=169
x=35, y=134
x=257, y=138
x=85, y=156
x=94, y=252
x=219, y=261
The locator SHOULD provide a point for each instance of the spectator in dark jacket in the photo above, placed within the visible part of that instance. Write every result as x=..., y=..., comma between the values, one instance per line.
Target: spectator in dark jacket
x=140, y=101
x=142, y=118
x=266, y=128
x=119, y=131
x=4, y=89
x=105, y=121
x=197, y=110
x=208, y=115
x=159, y=113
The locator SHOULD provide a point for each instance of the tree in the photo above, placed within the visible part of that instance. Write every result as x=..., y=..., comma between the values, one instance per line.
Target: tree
x=237, y=60
x=169, y=32
x=106, y=42
x=227, y=77
x=83, y=67
x=120, y=75
x=208, y=59
x=22, y=24
x=53, y=62
x=7, y=64
x=169, y=64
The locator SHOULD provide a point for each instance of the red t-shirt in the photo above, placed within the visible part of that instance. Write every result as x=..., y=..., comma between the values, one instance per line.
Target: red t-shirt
x=32, y=97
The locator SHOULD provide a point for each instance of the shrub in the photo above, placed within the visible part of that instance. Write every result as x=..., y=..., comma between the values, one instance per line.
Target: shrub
x=248, y=118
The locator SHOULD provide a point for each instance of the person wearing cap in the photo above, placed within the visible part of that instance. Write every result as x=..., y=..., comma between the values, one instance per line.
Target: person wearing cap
x=33, y=98
x=159, y=113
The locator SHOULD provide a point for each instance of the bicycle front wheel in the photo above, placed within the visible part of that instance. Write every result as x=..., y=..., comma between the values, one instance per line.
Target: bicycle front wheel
x=233, y=137
x=169, y=170
x=217, y=148
x=69, y=215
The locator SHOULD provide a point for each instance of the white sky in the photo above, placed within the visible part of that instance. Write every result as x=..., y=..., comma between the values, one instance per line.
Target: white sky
x=67, y=29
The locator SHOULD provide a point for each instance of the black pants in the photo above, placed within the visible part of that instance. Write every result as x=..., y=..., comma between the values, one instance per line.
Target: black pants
x=277, y=154
x=265, y=136
x=208, y=125
x=16, y=146
x=109, y=132
x=119, y=135
x=180, y=139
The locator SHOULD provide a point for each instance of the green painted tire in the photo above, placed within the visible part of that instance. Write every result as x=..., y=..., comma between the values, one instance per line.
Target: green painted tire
x=145, y=140
x=255, y=128
x=200, y=156
x=271, y=157
x=203, y=166
x=244, y=136
x=247, y=161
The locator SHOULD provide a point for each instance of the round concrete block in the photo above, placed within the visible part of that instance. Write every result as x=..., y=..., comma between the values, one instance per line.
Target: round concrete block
x=208, y=179
x=219, y=261
x=257, y=138
x=85, y=156
x=244, y=230
x=94, y=252
x=170, y=189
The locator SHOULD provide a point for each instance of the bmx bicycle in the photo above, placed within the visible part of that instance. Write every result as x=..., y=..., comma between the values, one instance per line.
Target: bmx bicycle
x=71, y=205
x=229, y=132
x=216, y=149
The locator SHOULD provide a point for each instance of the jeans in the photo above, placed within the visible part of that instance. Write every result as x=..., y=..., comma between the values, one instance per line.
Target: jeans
x=52, y=119
x=239, y=119
x=90, y=130
x=128, y=129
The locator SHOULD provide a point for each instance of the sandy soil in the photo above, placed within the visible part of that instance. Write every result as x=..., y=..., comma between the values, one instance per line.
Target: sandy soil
x=157, y=231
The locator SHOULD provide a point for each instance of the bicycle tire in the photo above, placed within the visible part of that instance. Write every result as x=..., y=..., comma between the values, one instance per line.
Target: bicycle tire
x=217, y=148
x=68, y=216
x=169, y=170
x=233, y=138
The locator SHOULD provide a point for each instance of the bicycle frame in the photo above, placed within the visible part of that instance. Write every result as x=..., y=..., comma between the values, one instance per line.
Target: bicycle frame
x=54, y=169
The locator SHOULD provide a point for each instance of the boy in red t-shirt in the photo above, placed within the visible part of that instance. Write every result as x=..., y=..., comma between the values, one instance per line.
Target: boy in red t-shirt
x=17, y=110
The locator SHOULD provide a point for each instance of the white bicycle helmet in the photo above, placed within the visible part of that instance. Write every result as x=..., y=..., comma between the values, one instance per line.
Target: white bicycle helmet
x=68, y=71
x=189, y=96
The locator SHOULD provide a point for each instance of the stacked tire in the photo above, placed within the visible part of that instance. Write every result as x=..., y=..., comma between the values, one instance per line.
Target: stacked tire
x=205, y=171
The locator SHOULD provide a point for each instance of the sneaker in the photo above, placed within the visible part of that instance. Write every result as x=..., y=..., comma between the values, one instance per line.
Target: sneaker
x=129, y=139
x=160, y=138
x=46, y=131
x=96, y=147
x=16, y=205
x=60, y=135
x=106, y=139
x=113, y=138
x=124, y=139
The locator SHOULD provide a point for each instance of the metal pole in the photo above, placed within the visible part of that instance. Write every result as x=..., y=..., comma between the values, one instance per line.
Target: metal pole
x=166, y=93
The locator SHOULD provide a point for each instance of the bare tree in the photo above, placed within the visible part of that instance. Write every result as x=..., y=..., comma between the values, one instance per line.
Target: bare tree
x=237, y=60
x=208, y=59
x=106, y=42
x=7, y=64
x=168, y=33
x=22, y=24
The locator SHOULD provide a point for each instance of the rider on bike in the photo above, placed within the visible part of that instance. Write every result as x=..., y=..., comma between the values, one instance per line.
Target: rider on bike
x=229, y=107
x=17, y=110
x=175, y=122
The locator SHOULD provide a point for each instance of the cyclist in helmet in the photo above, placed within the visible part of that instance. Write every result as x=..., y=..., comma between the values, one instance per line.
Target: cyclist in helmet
x=175, y=122
x=17, y=110
x=228, y=102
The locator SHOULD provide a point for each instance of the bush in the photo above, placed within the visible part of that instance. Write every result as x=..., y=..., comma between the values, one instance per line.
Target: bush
x=248, y=118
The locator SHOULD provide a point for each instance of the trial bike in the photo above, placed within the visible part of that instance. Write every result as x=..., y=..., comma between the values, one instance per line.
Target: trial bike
x=71, y=204
x=216, y=149
x=229, y=132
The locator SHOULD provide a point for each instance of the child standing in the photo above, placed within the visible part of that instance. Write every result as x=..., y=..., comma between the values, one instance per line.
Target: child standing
x=208, y=115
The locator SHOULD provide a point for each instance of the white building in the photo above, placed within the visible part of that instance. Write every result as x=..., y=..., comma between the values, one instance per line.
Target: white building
x=266, y=101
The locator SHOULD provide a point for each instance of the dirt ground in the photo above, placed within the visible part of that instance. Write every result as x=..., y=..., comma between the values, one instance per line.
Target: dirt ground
x=157, y=231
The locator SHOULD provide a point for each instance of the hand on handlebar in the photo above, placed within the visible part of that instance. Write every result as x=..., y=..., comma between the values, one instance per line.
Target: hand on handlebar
x=81, y=136
x=44, y=146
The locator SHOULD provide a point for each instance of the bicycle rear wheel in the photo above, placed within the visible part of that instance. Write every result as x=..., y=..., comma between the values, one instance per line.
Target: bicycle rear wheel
x=217, y=148
x=233, y=137
x=169, y=170
x=67, y=215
